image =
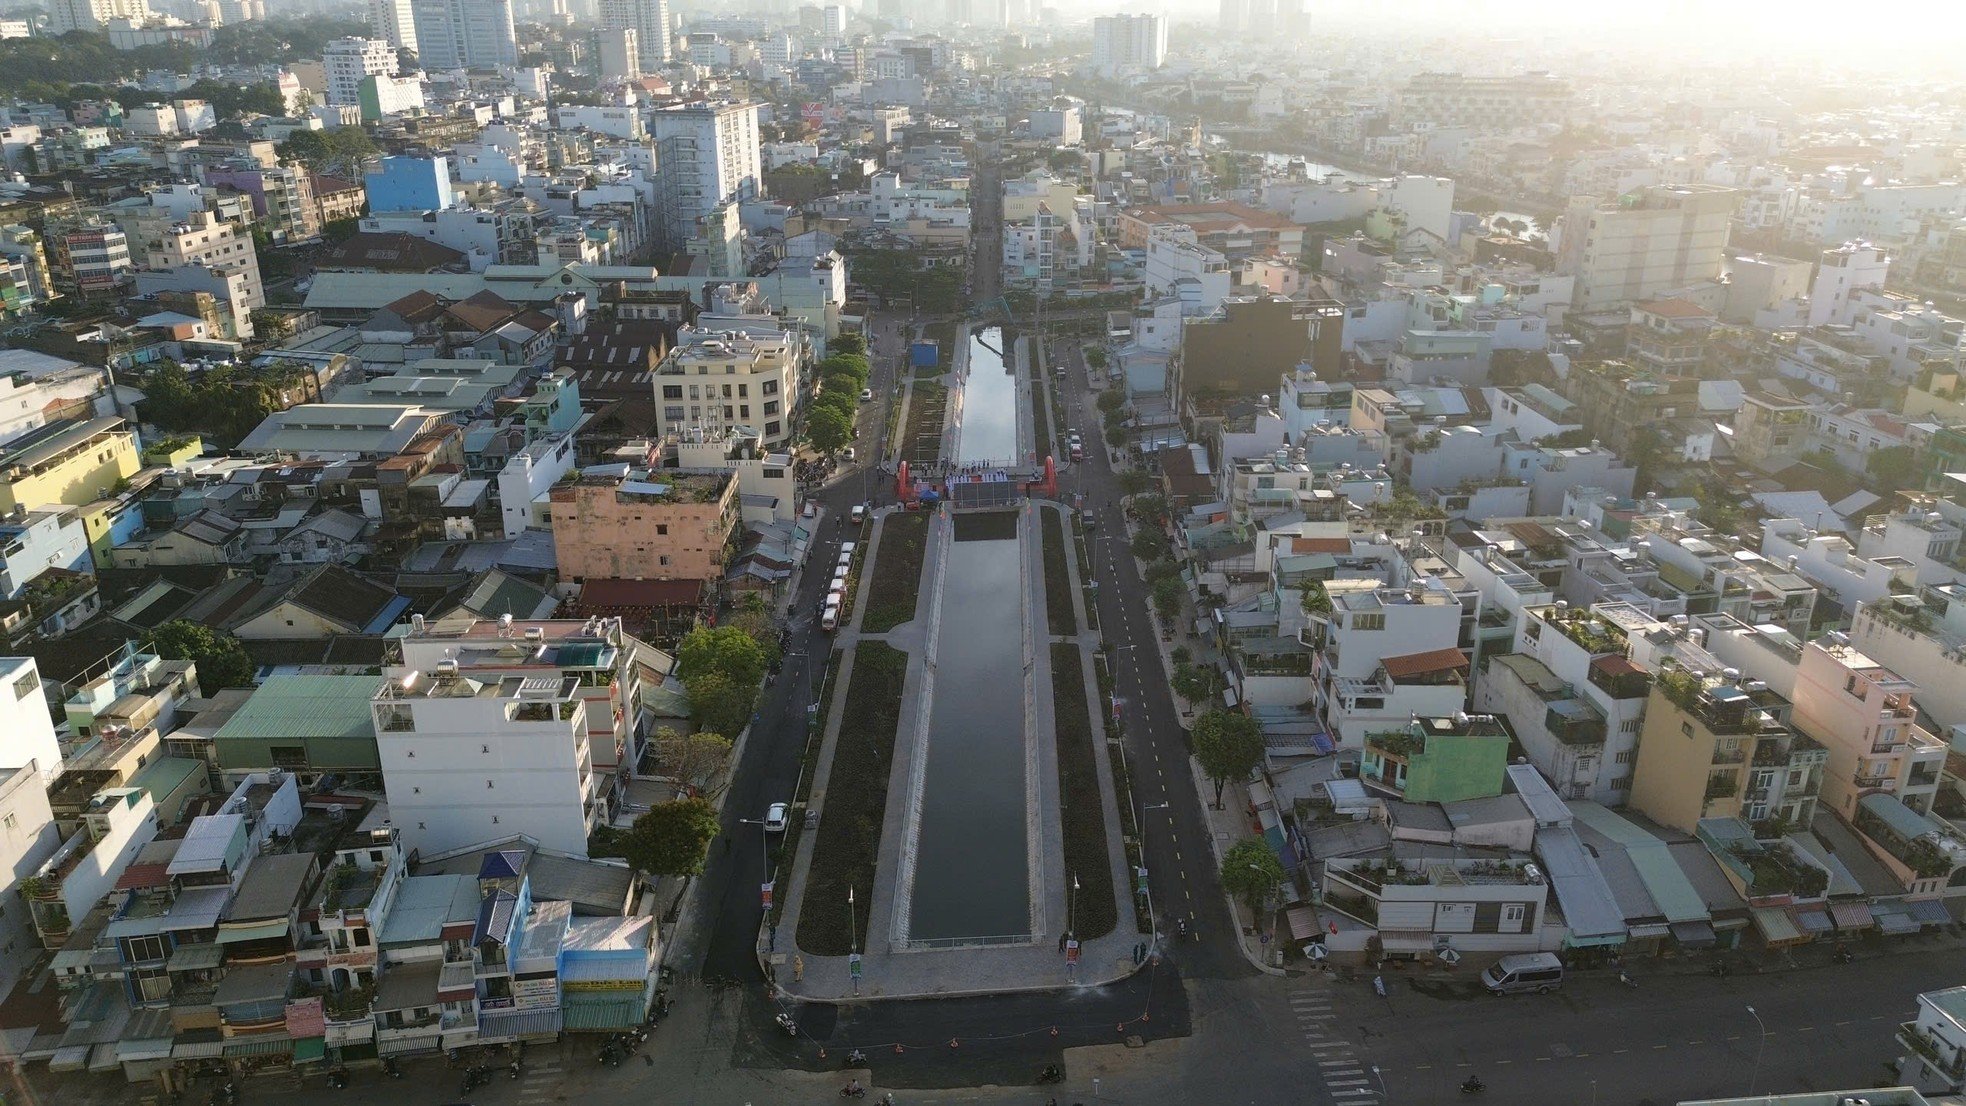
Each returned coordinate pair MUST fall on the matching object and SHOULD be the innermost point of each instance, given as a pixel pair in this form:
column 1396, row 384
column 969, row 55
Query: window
column 488, row 785
column 661, row 528
column 672, row 391
column 1626, row 757
column 1686, row 728
column 1368, row 622
column 10, row 822
column 26, row 685
column 664, row 559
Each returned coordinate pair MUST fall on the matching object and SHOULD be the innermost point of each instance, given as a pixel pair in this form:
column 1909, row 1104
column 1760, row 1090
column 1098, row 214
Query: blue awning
column 1931, row 912
column 1322, row 743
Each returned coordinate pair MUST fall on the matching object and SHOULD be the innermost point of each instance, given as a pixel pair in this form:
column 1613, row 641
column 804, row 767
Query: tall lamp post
column 1761, row 1043
column 1153, row 920
column 852, row 939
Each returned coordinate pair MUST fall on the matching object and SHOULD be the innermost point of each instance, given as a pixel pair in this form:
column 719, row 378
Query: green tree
column 694, row 759
column 849, row 343
column 1109, row 401
column 1229, row 746
column 1135, row 482
column 1168, row 591
column 1896, row 467
column 1116, row 436
column 222, row 661
column 1150, row 508
column 847, row 364
column 1149, row 545
column 1096, row 358
column 827, row 429
column 672, row 838
column 1251, row 872
column 841, row 400
column 718, row 703
column 1193, row 684
column 726, row 651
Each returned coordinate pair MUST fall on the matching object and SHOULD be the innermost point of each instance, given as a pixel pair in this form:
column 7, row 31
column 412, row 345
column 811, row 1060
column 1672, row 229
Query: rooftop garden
column 1775, row 871
column 1397, row 743
column 1593, row 634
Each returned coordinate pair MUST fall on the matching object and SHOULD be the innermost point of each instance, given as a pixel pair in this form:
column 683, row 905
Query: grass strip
column 1058, row 610
column 1081, row 814
column 849, row 842
column 897, row 585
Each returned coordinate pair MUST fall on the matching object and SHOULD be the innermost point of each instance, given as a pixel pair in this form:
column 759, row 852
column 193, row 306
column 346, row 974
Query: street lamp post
column 1153, row 920
column 852, row 938
column 1754, row 1076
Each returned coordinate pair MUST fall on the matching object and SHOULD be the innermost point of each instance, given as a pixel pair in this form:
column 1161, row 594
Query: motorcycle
column 337, row 1079
column 853, row 1090
column 1051, row 1074
column 786, row 1023
column 1471, row 1085
column 1720, row 968
column 516, row 1069
column 1627, row 980
column 394, row 1069
column 1842, row 955
column 856, row 1058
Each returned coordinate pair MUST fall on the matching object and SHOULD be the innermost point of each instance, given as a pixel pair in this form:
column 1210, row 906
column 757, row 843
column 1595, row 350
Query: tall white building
column 28, row 837
column 473, row 758
column 461, row 34
column 348, row 60
column 393, row 22
column 93, row 15
column 620, row 53
column 1128, row 43
column 649, row 19
column 1661, row 238
column 707, row 155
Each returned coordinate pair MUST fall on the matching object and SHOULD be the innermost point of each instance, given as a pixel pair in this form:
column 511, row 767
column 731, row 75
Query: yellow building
column 73, row 463
column 1721, row 748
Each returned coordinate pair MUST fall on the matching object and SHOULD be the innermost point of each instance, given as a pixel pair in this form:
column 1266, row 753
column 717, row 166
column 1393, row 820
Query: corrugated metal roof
column 301, row 707
column 1664, row 880
column 1588, row 905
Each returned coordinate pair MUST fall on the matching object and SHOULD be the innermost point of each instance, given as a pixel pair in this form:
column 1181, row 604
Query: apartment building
column 649, row 19
column 1128, row 43
column 530, row 774
column 1864, row 715
column 459, row 34
column 347, row 61
column 718, row 382
column 28, row 837
column 88, row 258
column 1422, row 905
column 117, row 823
column 73, row 463
column 1715, row 745
column 612, row 669
column 1934, row 1060
column 1922, row 638
column 1438, row 760
column 707, row 156
column 616, row 523
column 1482, row 103
column 1573, row 697
column 202, row 239
column 1659, row 238
column 1367, row 625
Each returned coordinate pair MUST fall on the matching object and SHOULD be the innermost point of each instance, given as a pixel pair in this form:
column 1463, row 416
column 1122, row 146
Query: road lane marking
column 1655, row 1048
column 1498, row 1061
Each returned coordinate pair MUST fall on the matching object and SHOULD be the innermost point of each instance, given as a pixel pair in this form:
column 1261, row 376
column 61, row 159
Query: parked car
column 776, row 817
column 859, row 513
column 866, row 394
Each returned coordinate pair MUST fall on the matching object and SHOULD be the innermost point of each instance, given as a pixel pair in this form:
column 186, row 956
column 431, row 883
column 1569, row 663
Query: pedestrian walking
column 798, row 969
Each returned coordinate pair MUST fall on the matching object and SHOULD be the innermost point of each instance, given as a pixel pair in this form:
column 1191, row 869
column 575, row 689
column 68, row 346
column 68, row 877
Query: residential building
column 718, row 381
column 1482, row 103
column 347, row 61
column 1720, row 747
column 1574, row 699
column 649, row 19
column 1770, row 430
column 203, row 240
column 1243, row 348
column 32, row 542
column 1864, row 715
column 89, row 258
column 1934, row 1060
column 1128, row 43
column 615, row 523
column 28, row 837
column 394, row 22
column 313, row 726
column 93, row 15
column 1234, row 230
column 707, row 155
column 136, row 691
column 618, row 676
column 531, row 773
column 618, row 53
column 1660, row 238
column 1669, row 337
column 116, row 824
column 1423, row 904
column 1439, row 759
column 75, row 463
column 1367, row 624
column 410, row 184
column 462, row 34
column 1841, row 273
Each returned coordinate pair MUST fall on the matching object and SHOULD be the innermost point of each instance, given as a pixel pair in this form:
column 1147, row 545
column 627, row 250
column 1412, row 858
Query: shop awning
column 1648, row 932
column 1851, row 915
column 197, row 1050
column 1406, row 941
column 270, row 1045
column 398, row 1046
column 1814, row 921
column 1930, row 912
column 1894, row 919
column 195, row 958
column 70, row 1058
column 592, row 1013
column 260, row 932
column 309, row 1049
column 1775, row 926
column 533, row 1023
column 1303, row 922
column 1693, row 935
column 155, row 1048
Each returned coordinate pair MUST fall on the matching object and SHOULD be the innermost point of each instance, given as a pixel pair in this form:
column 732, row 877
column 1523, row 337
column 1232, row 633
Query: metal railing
column 967, row 942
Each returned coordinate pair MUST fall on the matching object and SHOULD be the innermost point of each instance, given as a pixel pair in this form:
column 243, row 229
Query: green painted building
column 1439, row 760
column 306, row 724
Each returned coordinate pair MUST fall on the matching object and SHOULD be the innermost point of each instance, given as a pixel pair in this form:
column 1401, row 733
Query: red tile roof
column 1420, row 664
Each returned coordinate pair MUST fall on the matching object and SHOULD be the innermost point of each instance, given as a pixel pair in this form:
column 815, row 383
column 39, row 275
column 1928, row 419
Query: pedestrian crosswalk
column 1346, row 1078
column 540, row 1083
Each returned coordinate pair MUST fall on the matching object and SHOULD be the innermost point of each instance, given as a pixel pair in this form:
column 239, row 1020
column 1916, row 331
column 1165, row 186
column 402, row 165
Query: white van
column 1540, row 972
column 846, row 549
column 830, row 621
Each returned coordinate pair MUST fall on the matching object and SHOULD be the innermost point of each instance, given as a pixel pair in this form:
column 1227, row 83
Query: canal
column 988, row 430
column 972, row 875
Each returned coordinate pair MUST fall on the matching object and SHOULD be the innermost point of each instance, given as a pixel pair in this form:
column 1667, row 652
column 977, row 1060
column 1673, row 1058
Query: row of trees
column 51, row 69
column 842, row 375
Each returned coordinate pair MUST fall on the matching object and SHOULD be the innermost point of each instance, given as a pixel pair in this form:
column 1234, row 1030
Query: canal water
column 972, row 877
column 988, row 430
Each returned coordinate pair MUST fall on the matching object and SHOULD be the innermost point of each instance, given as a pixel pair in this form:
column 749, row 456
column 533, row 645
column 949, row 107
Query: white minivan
column 1540, row 972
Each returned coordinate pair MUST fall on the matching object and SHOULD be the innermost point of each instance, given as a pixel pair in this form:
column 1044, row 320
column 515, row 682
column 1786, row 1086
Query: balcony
column 1922, row 777
column 1939, row 1056
column 1881, row 783
column 1722, row 787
